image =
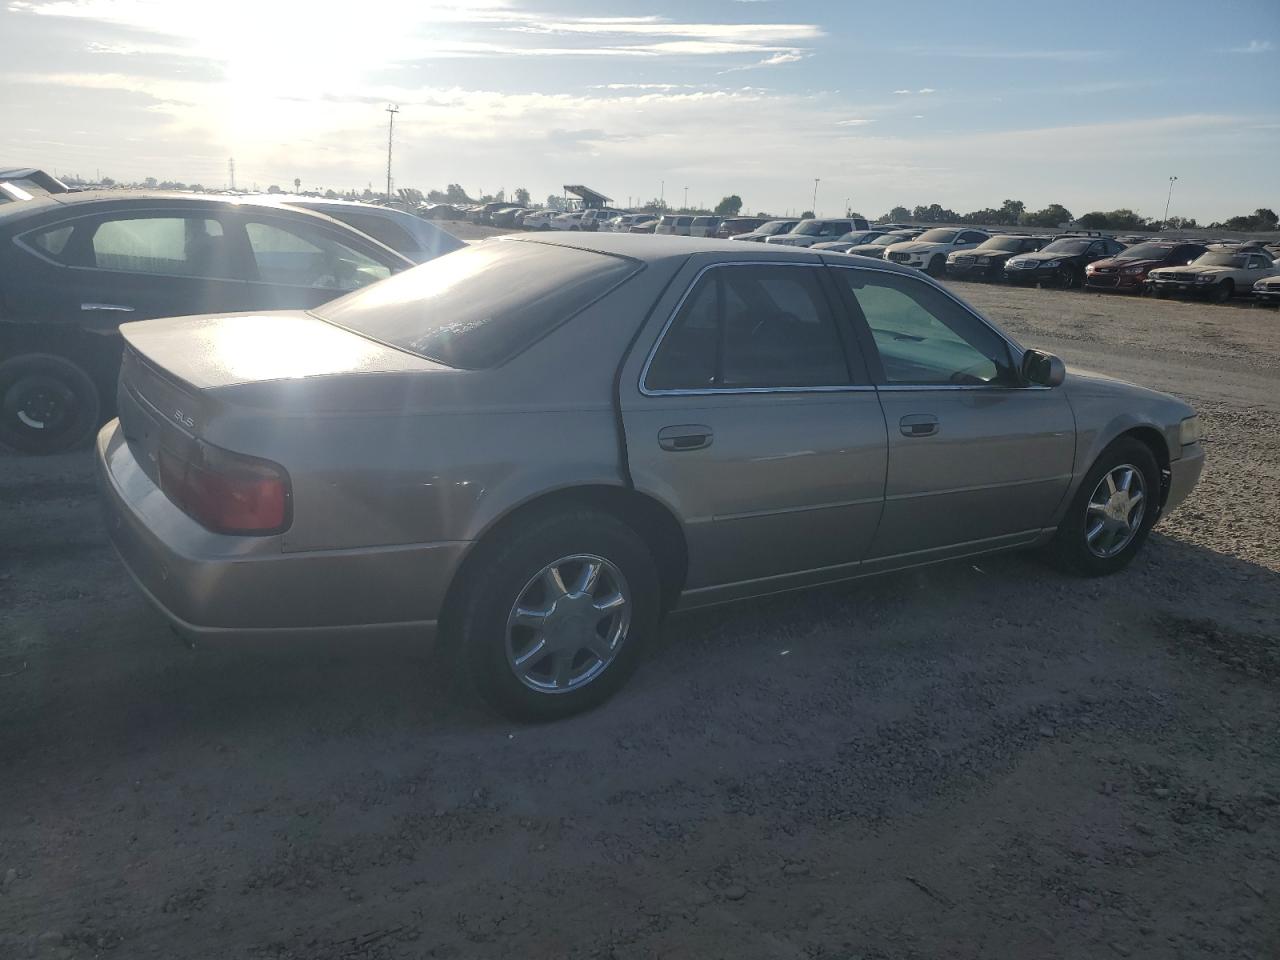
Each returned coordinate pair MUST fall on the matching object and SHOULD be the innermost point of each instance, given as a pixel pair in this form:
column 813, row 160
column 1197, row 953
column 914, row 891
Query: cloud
column 855, row 122
column 1253, row 46
column 901, row 92
column 926, row 90
column 786, row 56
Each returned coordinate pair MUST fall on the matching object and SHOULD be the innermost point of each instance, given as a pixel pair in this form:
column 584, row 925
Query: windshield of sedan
column 1067, row 246
column 859, row 237
column 937, row 236
column 1216, row 258
column 774, row 227
column 1003, row 244
column 1145, row 251
column 889, row 239
column 480, row 306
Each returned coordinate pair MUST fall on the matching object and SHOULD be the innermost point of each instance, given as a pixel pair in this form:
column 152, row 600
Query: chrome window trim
column 716, row 391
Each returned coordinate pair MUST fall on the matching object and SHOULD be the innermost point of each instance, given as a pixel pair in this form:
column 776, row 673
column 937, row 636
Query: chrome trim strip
column 1016, row 347
column 803, row 508
column 979, row 487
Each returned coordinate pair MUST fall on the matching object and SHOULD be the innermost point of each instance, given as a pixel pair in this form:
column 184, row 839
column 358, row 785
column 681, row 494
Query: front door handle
column 918, row 425
column 686, row 436
column 106, row 307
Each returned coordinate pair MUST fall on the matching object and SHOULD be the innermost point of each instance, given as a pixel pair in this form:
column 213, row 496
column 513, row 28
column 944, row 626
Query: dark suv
column 1061, row 262
column 1128, row 269
column 74, row 266
column 986, row 261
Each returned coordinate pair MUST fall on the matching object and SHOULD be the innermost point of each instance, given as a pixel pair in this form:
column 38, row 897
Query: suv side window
column 758, row 326
column 923, row 336
column 301, row 257
column 167, row 245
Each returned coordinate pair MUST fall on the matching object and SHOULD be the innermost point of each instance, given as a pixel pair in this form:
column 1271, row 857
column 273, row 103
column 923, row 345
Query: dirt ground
column 978, row 760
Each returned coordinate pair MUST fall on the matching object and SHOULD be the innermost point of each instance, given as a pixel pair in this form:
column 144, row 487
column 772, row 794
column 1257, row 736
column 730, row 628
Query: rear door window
column 752, row 327
column 167, row 245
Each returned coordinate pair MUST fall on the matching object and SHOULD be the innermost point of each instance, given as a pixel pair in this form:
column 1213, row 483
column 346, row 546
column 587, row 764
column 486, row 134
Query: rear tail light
column 228, row 492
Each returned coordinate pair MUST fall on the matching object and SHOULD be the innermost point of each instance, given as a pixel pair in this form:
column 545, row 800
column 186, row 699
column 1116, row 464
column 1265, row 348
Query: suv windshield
column 1217, row 258
column 774, row 227
column 480, row 306
column 1145, row 251
column 1067, row 246
column 937, row 236
column 810, row 228
column 1003, row 244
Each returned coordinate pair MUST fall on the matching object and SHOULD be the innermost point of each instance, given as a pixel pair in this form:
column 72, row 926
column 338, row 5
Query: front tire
column 554, row 616
column 1113, row 511
column 48, row 404
column 1067, row 278
column 937, row 267
column 1224, row 291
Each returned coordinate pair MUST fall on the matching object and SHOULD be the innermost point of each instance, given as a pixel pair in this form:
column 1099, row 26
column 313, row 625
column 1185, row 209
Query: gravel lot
column 978, row 760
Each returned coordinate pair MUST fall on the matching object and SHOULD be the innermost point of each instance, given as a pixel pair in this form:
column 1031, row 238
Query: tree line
column 1015, row 213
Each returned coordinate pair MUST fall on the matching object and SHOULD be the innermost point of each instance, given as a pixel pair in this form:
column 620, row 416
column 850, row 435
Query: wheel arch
column 1156, row 442
column 650, row 519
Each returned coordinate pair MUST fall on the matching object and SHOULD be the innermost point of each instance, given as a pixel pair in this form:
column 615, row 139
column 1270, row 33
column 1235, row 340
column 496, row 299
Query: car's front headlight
column 1206, row 278
column 1189, row 431
column 981, row 261
column 1050, row 264
column 1131, row 270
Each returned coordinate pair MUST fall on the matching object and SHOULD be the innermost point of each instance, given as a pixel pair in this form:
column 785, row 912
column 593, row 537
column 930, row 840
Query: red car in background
column 1128, row 269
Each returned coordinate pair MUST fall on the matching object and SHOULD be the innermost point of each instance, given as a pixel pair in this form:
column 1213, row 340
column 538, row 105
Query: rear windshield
column 482, row 305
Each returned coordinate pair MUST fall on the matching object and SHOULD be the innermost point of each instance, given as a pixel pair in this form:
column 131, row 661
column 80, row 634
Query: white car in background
column 567, row 221
column 539, row 219
column 817, row 230
column 704, row 226
column 624, row 222
column 928, row 252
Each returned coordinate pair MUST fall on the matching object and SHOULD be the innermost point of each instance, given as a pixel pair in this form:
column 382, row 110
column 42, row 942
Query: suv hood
column 915, row 246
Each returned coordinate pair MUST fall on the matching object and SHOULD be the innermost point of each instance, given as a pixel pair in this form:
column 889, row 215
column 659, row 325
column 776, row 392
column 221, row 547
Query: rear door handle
column 106, row 307
column 918, row 425
column 685, row 436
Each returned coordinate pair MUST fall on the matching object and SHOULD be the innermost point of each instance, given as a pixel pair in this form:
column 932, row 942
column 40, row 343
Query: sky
column 1094, row 105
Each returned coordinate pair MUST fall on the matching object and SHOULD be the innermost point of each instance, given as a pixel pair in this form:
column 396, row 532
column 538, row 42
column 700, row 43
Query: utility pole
column 848, row 210
column 1164, row 224
column 392, row 110
column 231, row 171
column 662, row 192
column 814, row 208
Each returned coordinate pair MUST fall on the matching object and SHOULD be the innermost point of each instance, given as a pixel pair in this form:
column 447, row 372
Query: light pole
column 686, row 198
column 1167, row 200
column 814, row 208
column 392, row 110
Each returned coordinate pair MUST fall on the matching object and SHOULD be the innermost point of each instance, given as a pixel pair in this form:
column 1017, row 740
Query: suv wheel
column 47, row 404
column 1112, row 512
column 555, row 615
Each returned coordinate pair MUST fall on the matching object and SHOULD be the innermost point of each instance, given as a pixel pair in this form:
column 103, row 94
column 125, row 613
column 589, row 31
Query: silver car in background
column 408, row 235
column 538, row 446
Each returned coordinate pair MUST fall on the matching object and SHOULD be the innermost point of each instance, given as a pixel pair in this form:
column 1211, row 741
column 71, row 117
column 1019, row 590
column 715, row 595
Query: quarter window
column 748, row 327
column 299, row 258
column 52, row 242
column 174, row 246
column 925, row 337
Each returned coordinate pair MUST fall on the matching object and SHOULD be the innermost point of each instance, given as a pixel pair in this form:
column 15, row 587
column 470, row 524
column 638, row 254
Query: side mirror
column 1043, row 369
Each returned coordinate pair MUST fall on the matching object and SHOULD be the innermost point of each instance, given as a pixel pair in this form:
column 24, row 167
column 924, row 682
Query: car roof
column 651, row 248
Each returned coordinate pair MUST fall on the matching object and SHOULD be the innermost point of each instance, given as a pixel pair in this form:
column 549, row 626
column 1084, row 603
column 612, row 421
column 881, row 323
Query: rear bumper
column 1184, row 473
column 210, row 585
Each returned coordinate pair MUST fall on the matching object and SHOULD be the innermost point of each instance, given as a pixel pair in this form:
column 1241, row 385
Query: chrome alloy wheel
column 1114, row 513
column 568, row 623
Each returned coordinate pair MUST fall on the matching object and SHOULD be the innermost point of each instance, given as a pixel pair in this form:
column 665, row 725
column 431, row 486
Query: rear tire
column 511, row 574
column 1079, row 546
column 48, row 404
